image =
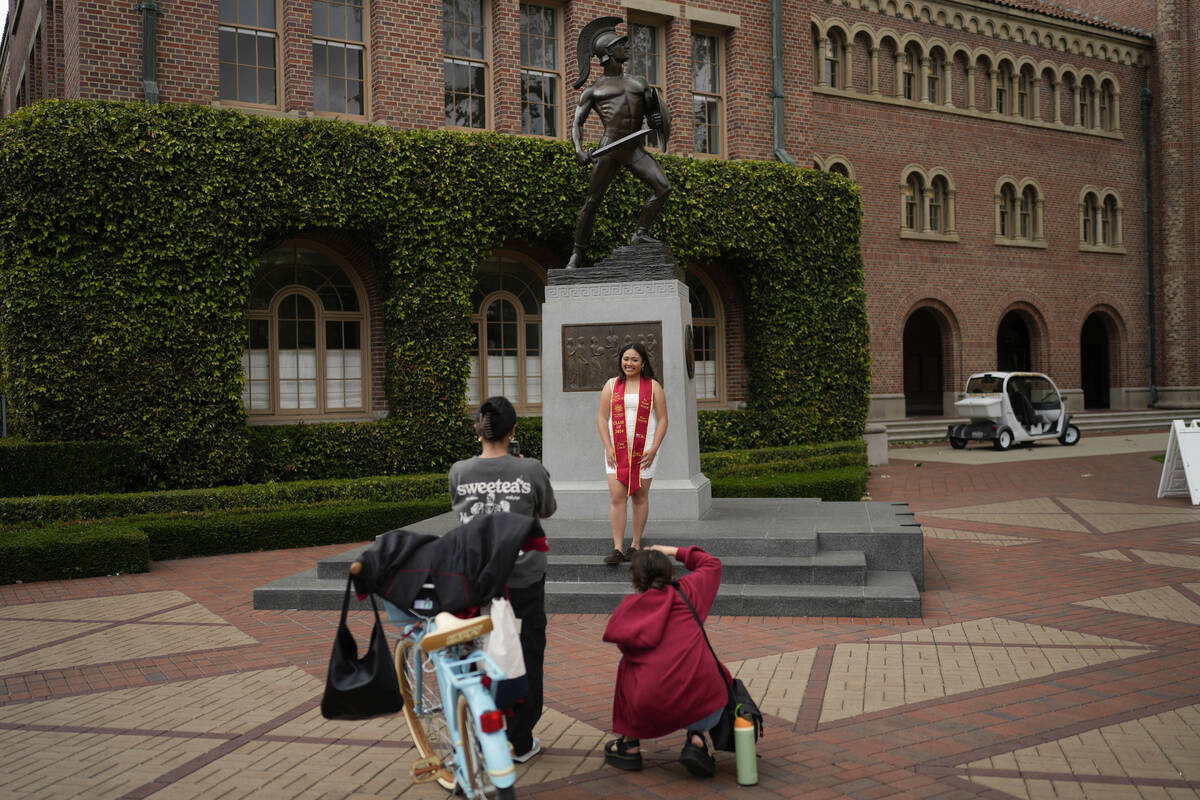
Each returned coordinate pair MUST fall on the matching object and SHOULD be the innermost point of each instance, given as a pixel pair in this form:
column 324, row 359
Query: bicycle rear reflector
column 491, row 721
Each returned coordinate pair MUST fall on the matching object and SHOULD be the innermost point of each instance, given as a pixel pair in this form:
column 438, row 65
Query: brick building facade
column 999, row 146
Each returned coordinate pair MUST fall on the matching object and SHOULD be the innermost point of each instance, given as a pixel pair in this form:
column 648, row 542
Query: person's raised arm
column 610, row 454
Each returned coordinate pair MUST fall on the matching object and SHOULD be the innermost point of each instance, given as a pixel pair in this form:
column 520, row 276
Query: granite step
column 843, row 568
column 884, row 593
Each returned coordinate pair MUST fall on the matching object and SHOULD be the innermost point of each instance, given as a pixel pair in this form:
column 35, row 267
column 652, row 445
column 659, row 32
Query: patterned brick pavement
column 1059, row 656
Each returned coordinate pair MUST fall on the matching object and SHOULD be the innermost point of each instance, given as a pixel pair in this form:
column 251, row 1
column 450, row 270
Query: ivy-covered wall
column 129, row 235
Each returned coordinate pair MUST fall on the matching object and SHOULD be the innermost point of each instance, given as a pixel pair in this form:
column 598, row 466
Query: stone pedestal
column 588, row 316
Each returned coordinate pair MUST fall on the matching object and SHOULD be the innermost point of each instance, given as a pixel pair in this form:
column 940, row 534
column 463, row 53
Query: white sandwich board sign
column 1181, row 467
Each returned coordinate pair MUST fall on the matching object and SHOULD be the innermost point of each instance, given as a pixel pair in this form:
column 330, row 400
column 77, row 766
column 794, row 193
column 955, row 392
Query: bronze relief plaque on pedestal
column 589, row 352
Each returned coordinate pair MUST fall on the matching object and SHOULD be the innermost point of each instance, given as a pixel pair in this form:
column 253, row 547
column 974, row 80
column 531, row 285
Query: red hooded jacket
column 667, row 678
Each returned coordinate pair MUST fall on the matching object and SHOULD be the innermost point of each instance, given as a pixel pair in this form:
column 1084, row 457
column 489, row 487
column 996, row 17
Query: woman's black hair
column 650, row 569
column 640, row 349
column 497, row 419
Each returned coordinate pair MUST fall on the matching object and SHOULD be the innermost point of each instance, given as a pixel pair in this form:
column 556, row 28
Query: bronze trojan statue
column 621, row 102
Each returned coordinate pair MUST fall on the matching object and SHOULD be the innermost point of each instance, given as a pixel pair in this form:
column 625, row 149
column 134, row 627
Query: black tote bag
column 739, row 703
column 360, row 688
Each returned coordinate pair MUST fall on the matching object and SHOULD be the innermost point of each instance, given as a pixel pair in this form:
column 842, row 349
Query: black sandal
column 616, row 754
column 696, row 757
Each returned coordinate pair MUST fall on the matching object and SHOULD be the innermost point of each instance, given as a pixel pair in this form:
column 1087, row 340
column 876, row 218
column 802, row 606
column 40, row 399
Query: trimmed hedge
column 801, row 456
column 843, row 483
column 75, row 551
column 182, row 537
column 42, row 510
column 78, row 551
column 130, row 235
column 32, row 468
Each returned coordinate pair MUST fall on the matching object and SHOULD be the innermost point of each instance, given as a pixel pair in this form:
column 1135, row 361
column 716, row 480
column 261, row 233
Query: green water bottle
column 743, row 745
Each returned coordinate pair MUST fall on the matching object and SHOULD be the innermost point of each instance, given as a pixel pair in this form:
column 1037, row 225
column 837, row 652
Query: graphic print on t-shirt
column 488, row 497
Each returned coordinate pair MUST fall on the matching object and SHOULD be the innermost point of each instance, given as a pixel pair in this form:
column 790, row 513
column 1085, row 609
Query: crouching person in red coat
column 666, row 680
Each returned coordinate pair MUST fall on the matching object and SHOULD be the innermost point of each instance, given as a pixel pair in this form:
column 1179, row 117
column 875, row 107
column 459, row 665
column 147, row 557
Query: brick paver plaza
column 1058, row 656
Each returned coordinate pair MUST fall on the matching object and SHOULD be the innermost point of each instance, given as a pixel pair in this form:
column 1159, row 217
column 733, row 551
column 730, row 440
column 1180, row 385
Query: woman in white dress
column 632, row 423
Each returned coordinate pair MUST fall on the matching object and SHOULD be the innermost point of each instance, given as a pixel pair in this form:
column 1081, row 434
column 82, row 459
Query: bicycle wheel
column 429, row 731
column 473, row 764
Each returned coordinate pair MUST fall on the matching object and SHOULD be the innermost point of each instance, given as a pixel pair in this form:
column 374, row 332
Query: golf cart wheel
column 957, row 442
column 1004, row 440
column 1070, row 436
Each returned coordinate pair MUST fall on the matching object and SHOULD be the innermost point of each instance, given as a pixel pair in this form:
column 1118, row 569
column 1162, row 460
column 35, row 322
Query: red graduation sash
column 629, row 460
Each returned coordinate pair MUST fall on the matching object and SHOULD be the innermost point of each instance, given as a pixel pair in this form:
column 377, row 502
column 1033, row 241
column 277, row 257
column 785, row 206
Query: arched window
column 1003, row 81
column 835, row 50
column 1086, row 88
column 910, row 73
column 307, row 324
column 934, row 81
column 840, row 168
column 1105, row 108
column 506, row 357
column 1027, row 228
column 707, row 338
column 914, row 190
column 1008, row 211
column 1024, row 106
column 1091, row 219
column 937, row 205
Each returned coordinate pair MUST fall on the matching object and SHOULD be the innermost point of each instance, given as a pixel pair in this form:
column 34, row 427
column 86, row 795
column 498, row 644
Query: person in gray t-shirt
column 495, row 480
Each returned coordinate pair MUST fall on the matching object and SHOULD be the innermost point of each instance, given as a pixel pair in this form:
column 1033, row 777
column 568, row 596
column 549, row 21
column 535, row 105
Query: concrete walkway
column 1059, row 656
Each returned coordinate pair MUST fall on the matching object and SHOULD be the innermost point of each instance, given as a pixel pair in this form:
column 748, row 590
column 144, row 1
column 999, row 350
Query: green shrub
column 131, row 234
column 341, row 450
column 32, row 468
column 75, row 551
column 214, row 533
column 843, row 483
column 16, row 510
column 731, row 459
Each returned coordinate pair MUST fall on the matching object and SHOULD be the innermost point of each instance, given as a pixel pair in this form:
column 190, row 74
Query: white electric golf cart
column 1011, row 407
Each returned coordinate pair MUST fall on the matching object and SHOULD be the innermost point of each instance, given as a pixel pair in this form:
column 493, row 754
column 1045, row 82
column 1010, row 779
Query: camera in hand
column 514, row 448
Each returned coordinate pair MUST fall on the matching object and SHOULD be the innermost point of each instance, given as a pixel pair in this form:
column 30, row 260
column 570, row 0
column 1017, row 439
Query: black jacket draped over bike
column 467, row 566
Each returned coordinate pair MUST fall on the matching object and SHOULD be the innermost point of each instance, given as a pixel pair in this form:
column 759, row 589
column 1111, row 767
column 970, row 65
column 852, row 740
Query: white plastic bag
column 503, row 644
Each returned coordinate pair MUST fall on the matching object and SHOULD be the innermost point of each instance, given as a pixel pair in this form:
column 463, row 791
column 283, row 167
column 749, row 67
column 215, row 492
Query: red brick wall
column 973, row 282
column 95, row 53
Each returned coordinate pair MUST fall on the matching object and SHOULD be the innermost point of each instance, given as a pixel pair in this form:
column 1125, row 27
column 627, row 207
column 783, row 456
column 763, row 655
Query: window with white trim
column 247, row 51
column 506, row 356
column 707, row 93
column 465, row 65
column 338, row 45
column 707, row 337
column 306, row 355
column 541, row 71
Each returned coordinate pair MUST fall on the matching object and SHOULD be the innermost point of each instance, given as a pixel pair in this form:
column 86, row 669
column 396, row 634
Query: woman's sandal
column 616, row 754
column 696, row 757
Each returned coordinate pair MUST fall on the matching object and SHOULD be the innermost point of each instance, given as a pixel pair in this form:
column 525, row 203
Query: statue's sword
column 624, row 140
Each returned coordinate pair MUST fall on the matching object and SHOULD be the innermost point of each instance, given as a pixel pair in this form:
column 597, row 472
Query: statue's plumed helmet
column 596, row 39
column 603, row 44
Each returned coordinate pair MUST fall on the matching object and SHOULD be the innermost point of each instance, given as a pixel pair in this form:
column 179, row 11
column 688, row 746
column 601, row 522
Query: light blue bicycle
column 448, row 683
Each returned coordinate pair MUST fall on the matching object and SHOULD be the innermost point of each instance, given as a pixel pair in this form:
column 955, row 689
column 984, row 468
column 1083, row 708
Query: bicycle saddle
column 452, row 630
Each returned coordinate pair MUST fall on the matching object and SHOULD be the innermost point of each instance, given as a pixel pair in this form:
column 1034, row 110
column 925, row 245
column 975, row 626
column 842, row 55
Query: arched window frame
column 1086, row 90
column 1003, row 95
column 1019, row 208
column 926, row 198
column 274, row 410
column 1024, row 106
column 935, row 78
column 908, row 80
column 529, row 369
column 709, row 329
column 1100, row 221
column 834, row 61
column 835, row 163
column 912, row 216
